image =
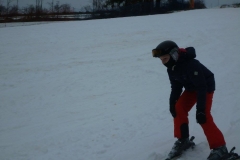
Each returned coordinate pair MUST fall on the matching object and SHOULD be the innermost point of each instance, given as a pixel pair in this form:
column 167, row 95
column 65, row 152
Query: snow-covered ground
column 16, row 24
column 90, row 90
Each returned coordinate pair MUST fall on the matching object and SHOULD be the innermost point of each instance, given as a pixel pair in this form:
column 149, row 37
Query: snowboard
column 231, row 155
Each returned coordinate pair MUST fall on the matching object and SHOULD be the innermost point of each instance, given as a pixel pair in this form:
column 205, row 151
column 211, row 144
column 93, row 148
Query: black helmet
column 164, row 48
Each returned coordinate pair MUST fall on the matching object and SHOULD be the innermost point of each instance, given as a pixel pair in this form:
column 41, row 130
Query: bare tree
column 38, row 7
column 13, row 10
column 97, row 5
column 87, row 8
column 65, row 8
column 8, row 5
column 17, row 7
column 29, row 11
column 51, row 6
column 57, row 8
column 2, row 9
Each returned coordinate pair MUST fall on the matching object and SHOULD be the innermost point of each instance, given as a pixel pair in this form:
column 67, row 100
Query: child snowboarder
column 186, row 72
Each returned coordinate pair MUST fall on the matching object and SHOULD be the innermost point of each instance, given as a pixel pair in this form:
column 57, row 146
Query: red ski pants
column 184, row 104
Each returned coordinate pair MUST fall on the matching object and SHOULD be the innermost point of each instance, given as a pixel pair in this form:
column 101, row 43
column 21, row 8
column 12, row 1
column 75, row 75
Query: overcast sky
column 78, row 4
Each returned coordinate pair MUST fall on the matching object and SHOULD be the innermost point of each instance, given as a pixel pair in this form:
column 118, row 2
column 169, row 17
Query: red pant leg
column 183, row 106
column 213, row 134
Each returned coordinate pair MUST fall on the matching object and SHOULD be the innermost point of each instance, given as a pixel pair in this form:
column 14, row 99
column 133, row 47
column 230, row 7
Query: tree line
column 98, row 9
column 11, row 9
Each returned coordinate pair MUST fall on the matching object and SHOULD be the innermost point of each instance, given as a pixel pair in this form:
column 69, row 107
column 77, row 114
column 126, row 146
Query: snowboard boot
column 219, row 153
column 179, row 146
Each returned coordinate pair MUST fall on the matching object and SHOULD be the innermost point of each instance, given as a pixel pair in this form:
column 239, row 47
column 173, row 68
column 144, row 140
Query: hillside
column 90, row 90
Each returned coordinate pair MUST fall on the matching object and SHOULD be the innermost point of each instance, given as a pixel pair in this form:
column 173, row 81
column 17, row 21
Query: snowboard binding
column 179, row 147
column 232, row 155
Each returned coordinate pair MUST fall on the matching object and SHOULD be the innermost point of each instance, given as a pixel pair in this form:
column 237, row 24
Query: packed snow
column 91, row 90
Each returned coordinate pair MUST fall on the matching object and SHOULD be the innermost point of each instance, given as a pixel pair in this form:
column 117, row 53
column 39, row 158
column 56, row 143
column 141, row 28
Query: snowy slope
column 91, row 90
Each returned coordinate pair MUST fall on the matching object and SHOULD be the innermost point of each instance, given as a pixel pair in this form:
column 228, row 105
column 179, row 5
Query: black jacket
column 192, row 75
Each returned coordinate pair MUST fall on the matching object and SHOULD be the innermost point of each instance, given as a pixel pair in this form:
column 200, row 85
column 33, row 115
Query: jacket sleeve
column 197, row 77
column 176, row 90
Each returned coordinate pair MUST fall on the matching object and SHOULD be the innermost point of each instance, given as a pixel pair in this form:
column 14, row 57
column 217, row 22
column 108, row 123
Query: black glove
column 201, row 117
column 173, row 111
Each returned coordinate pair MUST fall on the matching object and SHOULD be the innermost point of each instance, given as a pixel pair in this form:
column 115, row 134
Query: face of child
column 165, row 58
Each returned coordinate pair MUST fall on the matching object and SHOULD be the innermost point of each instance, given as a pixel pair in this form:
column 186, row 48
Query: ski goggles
column 157, row 53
